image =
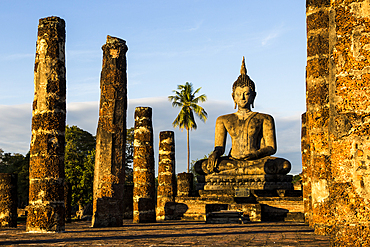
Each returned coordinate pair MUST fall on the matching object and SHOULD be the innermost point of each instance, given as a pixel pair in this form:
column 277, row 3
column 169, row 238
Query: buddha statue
column 253, row 142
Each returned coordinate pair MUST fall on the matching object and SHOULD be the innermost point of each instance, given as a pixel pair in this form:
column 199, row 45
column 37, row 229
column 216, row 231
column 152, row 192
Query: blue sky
column 170, row 42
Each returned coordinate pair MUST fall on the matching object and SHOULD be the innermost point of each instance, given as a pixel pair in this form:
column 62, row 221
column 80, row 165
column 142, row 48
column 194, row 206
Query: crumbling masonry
column 144, row 185
column 109, row 174
column 8, row 200
column 185, row 184
column 166, row 176
column 46, row 192
column 336, row 126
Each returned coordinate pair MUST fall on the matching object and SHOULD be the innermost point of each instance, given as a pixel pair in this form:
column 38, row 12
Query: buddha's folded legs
column 226, row 165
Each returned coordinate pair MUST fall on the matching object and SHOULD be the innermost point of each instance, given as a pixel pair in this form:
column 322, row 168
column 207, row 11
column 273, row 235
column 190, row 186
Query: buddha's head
column 244, row 85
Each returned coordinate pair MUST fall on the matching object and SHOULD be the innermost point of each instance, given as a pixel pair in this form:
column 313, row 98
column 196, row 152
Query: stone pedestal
column 8, row 200
column 185, row 184
column 166, row 176
column 144, row 184
column 46, row 192
column 109, row 174
column 254, row 182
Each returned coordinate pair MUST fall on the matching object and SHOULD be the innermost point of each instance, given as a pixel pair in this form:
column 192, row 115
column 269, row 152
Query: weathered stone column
column 46, row 192
column 349, row 191
column 317, row 114
column 109, row 174
column 184, row 184
column 68, row 201
column 338, row 119
column 306, row 172
column 166, row 176
column 8, row 200
column 144, row 184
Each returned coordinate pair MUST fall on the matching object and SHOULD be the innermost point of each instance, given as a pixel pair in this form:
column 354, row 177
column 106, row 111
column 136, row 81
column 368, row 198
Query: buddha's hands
column 249, row 156
column 212, row 162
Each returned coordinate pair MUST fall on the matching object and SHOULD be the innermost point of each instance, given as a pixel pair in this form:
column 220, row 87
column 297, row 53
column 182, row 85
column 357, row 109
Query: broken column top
column 52, row 22
column 52, row 19
column 115, row 40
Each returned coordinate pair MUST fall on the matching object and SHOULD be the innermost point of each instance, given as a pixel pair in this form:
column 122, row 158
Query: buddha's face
column 244, row 97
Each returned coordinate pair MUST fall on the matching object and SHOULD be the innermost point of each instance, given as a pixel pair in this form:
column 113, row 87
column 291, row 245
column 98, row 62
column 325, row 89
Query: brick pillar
column 166, row 176
column 68, row 201
column 350, row 130
column 339, row 153
column 109, row 174
column 317, row 115
column 144, row 185
column 306, row 172
column 184, row 184
column 46, row 191
column 8, row 200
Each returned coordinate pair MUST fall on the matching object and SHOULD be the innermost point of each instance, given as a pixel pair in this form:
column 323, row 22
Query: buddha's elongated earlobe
column 252, row 105
column 235, row 106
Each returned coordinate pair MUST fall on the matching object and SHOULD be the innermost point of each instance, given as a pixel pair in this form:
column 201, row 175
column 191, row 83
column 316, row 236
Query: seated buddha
column 252, row 134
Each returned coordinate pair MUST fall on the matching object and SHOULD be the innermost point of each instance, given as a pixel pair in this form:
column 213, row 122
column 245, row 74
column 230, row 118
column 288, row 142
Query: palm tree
column 186, row 99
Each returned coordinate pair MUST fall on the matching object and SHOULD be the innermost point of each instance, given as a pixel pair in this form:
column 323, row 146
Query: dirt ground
column 171, row 233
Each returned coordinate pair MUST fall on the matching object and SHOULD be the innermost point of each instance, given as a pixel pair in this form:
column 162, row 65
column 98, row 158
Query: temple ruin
column 46, row 212
column 144, row 184
column 109, row 174
column 335, row 143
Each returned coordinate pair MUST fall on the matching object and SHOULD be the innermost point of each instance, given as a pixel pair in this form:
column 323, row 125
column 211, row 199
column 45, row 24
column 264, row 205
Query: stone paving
column 172, row 233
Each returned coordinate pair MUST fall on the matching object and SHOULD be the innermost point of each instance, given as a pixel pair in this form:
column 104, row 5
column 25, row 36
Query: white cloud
column 273, row 34
column 18, row 56
column 196, row 27
column 15, row 128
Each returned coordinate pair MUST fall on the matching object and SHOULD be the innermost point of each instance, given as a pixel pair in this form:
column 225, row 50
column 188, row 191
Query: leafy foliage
column 296, row 178
column 186, row 98
column 79, row 160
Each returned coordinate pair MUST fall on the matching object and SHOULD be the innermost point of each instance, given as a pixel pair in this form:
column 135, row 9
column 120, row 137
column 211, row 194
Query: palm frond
column 185, row 97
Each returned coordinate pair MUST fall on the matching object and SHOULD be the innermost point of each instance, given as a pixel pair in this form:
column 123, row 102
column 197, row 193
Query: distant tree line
column 79, row 163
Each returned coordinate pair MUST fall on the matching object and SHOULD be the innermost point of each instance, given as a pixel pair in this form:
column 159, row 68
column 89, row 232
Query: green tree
column 79, row 163
column 186, row 98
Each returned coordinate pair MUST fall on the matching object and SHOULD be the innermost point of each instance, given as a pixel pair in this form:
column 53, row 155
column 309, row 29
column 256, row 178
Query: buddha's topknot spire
column 243, row 70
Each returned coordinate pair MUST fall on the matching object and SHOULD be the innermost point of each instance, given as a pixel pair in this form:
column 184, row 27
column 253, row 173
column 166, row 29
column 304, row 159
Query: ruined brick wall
column 185, row 184
column 46, row 192
column 166, row 175
column 8, row 200
column 109, row 173
column 340, row 186
column 144, row 184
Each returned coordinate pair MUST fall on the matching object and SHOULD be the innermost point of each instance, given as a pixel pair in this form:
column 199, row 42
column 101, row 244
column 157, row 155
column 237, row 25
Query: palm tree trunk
column 187, row 130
